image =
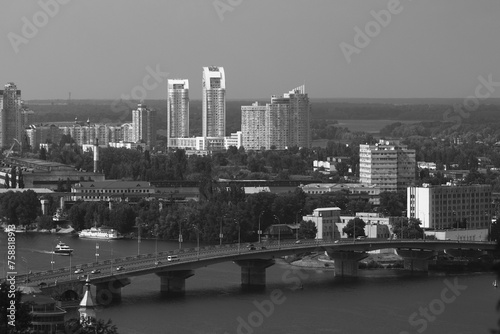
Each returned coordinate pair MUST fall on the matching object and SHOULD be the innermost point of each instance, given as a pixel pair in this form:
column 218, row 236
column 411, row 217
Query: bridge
column 111, row 276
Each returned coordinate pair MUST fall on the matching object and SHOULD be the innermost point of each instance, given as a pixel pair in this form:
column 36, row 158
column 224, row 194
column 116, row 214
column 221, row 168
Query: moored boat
column 100, row 233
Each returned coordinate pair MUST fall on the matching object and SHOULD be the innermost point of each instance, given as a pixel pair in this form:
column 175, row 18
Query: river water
column 295, row 300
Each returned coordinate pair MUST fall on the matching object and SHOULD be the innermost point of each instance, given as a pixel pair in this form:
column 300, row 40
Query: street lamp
column 220, row 232
column 96, row 251
column 156, row 243
column 296, row 223
column 180, row 234
column 279, row 231
column 197, row 240
column 239, row 234
column 259, row 232
column 52, row 261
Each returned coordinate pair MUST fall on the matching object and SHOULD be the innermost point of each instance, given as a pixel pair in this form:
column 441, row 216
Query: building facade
column 450, row 206
column 213, row 102
column 326, row 220
column 283, row 123
column 178, row 108
column 253, row 125
column 388, row 164
column 144, row 125
column 11, row 119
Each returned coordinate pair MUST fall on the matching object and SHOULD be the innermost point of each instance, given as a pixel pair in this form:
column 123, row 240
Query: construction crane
column 9, row 151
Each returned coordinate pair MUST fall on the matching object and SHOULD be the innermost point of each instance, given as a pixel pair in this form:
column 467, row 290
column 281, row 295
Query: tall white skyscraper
column 214, row 102
column 11, row 120
column 178, row 108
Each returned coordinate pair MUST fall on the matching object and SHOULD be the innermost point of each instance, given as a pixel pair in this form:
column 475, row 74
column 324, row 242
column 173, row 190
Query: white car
column 79, row 271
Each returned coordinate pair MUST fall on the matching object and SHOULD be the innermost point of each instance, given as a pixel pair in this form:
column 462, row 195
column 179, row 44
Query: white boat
column 495, row 283
column 100, row 233
column 62, row 248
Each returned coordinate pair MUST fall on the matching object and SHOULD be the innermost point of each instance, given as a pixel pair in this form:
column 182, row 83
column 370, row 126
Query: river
column 296, row 300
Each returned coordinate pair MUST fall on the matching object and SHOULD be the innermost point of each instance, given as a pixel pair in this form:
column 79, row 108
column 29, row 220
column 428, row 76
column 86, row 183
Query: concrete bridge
column 113, row 275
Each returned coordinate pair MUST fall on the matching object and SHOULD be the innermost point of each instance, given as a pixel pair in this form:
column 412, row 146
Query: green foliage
column 408, row 228
column 100, row 326
column 355, row 228
column 19, row 208
column 392, row 203
column 307, row 230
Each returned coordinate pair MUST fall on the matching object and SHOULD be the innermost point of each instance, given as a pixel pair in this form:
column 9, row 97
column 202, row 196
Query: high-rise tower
column 214, row 102
column 144, row 125
column 178, row 108
column 11, row 121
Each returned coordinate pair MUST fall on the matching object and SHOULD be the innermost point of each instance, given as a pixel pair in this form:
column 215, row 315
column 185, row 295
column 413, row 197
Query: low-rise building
column 325, row 220
column 357, row 190
column 110, row 190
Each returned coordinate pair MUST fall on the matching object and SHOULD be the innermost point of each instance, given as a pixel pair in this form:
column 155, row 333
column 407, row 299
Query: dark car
column 120, row 268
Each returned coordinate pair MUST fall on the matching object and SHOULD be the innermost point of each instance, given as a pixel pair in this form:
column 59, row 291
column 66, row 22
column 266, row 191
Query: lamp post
column 96, row 251
column 296, row 223
column 220, row 232
column 239, row 235
column 279, row 231
column 52, row 261
column 180, row 234
column 259, row 232
column 156, row 243
column 197, row 241
column 111, row 259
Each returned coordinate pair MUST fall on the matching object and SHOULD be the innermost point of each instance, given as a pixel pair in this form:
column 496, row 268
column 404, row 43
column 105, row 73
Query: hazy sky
column 103, row 49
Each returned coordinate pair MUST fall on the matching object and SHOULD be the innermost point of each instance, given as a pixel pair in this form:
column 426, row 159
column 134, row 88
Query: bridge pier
column 173, row 283
column 346, row 262
column 416, row 260
column 111, row 291
column 253, row 272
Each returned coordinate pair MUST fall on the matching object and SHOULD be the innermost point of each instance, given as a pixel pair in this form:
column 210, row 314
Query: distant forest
column 323, row 110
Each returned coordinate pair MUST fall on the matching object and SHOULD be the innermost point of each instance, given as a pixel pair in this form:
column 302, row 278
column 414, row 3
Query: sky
column 338, row 48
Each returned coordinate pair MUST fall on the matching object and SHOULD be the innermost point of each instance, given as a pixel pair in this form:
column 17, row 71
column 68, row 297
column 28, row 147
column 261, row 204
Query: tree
column 355, row 228
column 22, row 311
column 408, row 228
column 100, row 326
column 308, row 230
column 392, row 203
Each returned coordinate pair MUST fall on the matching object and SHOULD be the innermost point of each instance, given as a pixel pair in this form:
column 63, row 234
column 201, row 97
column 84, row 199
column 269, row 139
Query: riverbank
column 392, row 261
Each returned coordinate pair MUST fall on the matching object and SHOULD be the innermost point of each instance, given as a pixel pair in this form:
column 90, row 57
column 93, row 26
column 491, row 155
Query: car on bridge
column 95, row 271
column 79, row 271
column 120, row 268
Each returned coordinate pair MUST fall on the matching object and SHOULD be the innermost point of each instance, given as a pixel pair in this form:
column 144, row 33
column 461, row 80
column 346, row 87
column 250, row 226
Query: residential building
column 110, row 190
column 253, row 126
column 370, row 193
column 326, row 220
column 377, row 225
column 178, row 108
column 450, row 206
column 283, row 123
column 213, row 102
column 144, row 125
column 388, row 164
column 11, row 120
